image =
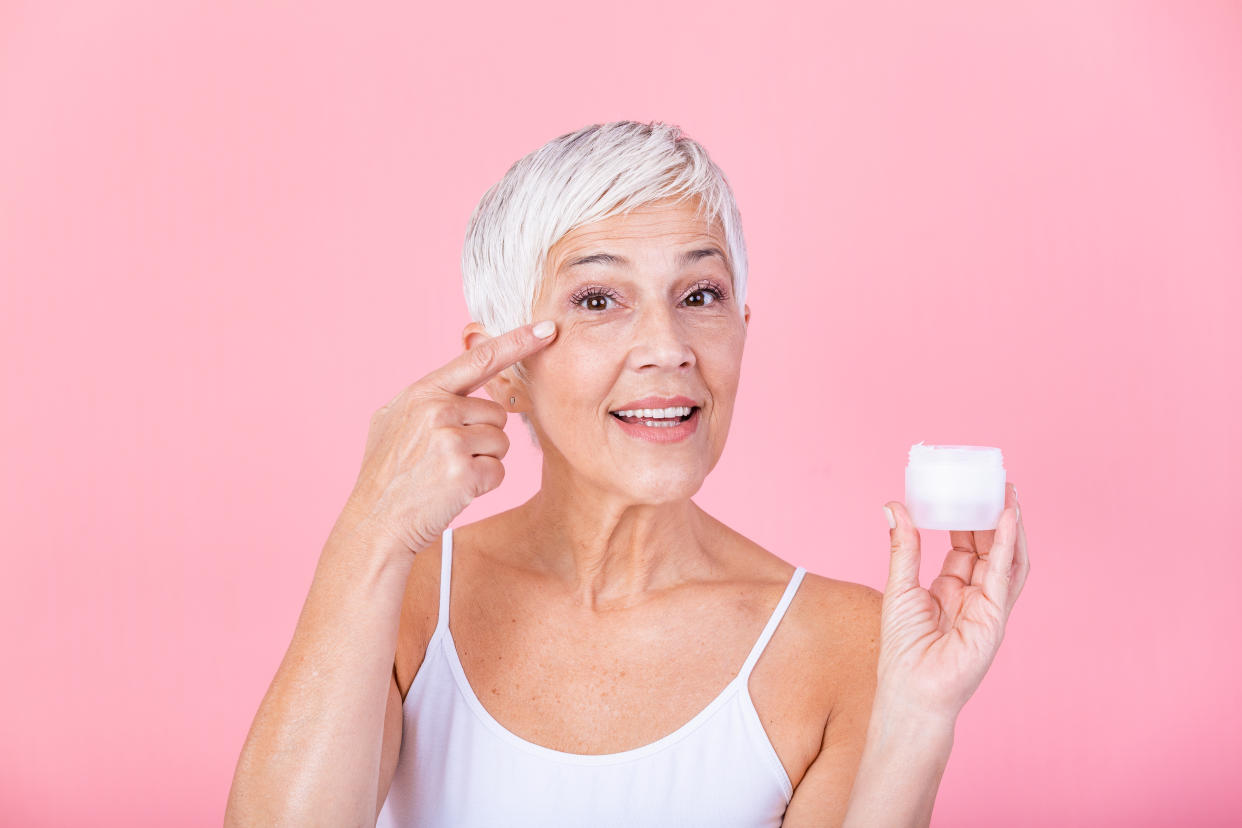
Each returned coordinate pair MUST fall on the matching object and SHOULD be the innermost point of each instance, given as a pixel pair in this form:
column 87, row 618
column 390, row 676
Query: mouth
column 669, row 417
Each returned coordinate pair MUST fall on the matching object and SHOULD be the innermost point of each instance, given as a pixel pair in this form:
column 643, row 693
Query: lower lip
column 661, row 434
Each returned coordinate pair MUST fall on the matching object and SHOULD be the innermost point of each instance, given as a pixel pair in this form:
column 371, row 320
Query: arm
column 926, row 651
column 313, row 753
column 879, row 764
column 873, row 771
column 323, row 746
column 902, row 764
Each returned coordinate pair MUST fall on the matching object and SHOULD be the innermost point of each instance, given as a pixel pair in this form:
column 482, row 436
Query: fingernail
column 544, row 329
column 892, row 521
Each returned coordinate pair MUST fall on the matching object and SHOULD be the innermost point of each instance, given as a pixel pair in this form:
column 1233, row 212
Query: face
column 646, row 319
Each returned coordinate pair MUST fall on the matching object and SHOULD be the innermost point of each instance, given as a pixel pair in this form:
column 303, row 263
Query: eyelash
column 703, row 286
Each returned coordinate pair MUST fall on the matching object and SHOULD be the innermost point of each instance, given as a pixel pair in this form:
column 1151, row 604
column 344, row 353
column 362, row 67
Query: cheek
column 721, row 362
column 579, row 368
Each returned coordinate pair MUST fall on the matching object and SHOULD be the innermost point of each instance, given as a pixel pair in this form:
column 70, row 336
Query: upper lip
column 657, row 402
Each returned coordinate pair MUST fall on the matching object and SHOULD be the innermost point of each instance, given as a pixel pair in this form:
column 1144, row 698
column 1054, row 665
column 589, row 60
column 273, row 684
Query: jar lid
column 983, row 456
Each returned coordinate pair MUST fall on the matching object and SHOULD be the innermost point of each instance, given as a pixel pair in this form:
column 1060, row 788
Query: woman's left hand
column 937, row 643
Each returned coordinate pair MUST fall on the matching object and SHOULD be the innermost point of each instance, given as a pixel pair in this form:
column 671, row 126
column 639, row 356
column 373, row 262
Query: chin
column 652, row 490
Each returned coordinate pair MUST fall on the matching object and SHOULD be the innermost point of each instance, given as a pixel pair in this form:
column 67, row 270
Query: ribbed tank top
column 460, row 767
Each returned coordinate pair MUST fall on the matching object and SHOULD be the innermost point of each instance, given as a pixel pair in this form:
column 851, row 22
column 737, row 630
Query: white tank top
column 460, row 767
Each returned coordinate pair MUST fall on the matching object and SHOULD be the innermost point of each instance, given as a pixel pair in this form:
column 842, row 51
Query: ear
column 503, row 385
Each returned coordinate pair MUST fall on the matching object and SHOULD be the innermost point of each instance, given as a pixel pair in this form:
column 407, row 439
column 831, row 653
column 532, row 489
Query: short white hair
column 596, row 172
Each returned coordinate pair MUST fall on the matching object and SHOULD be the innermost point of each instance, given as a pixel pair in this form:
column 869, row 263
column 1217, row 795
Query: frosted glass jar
column 955, row 487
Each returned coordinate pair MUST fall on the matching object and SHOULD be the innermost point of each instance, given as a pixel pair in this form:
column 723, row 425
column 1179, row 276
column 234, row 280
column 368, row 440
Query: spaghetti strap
column 446, row 577
column 773, row 622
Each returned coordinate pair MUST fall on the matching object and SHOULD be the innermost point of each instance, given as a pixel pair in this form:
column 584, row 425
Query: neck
column 609, row 551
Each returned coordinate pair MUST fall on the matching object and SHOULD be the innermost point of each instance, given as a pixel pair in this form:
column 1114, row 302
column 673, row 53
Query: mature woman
column 607, row 653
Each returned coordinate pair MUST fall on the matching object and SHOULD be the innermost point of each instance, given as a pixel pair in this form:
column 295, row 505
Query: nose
column 660, row 341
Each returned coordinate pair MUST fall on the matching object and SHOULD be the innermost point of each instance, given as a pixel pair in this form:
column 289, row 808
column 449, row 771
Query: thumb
column 903, row 565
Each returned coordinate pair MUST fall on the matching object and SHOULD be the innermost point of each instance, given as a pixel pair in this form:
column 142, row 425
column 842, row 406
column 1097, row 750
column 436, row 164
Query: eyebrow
column 687, row 258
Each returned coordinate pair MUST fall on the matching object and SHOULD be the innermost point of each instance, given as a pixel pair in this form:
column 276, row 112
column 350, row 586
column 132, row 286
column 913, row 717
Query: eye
column 594, row 298
column 704, row 294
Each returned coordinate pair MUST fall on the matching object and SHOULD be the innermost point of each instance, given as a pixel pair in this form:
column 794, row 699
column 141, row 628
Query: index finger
column 470, row 370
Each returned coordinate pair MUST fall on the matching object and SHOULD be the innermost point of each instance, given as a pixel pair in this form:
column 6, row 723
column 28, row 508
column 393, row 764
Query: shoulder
column 833, row 621
column 842, row 623
column 835, row 635
column 831, row 627
column 822, row 666
column 846, row 608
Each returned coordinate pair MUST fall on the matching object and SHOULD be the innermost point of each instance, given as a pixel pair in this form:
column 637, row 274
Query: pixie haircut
column 594, row 173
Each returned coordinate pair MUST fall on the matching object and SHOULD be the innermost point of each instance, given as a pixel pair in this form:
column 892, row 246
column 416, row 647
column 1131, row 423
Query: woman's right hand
column 433, row 448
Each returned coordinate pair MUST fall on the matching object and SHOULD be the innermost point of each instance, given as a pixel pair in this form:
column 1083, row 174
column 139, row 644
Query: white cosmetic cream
column 955, row 487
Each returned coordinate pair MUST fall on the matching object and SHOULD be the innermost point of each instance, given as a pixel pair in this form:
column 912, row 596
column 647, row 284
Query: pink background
column 229, row 233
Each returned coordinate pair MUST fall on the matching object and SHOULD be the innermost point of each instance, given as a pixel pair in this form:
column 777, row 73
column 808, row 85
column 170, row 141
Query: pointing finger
column 476, row 366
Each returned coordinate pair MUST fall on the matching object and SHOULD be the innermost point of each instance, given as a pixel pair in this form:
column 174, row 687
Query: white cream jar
column 955, row 487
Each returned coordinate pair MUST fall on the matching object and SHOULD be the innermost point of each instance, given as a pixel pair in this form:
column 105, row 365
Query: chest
column 556, row 679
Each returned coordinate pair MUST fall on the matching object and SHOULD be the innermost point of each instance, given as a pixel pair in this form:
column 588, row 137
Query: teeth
column 656, row 413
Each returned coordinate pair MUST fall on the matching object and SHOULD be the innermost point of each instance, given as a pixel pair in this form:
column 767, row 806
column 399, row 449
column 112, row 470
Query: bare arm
column 823, row 794
column 880, row 763
column 312, row 756
column 906, row 753
column 934, row 647
column 323, row 746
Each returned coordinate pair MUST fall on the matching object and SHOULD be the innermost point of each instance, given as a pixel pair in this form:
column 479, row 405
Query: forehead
column 661, row 225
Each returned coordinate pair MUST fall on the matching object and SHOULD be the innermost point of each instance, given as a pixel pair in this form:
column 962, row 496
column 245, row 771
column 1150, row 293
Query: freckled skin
column 646, row 339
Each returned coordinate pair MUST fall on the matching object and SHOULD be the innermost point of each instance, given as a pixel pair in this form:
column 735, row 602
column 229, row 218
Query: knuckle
column 456, row 468
column 442, row 411
column 482, row 357
column 453, row 440
column 490, row 473
column 423, row 400
column 444, row 442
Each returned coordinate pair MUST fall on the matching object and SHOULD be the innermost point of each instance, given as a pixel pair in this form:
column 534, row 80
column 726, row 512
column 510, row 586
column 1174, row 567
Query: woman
column 606, row 653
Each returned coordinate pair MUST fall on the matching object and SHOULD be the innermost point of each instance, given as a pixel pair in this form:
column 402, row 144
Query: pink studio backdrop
column 229, row 232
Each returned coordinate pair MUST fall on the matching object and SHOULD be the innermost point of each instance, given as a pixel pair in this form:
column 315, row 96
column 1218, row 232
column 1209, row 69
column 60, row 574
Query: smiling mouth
column 657, row 417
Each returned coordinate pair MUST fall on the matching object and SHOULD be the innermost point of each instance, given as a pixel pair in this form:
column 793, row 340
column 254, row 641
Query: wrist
column 900, row 723
column 360, row 534
column 899, row 706
column 908, row 727
column 904, row 758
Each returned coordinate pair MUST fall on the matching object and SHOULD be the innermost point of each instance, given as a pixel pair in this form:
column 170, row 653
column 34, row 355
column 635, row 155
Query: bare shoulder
column 831, row 630
column 843, row 609
column 420, row 607
column 842, row 620
column 836, row 627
